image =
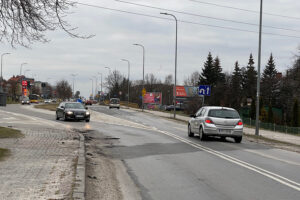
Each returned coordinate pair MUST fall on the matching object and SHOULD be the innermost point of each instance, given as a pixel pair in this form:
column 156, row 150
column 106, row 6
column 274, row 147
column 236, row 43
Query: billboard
column 153, row 97
column 186, row 91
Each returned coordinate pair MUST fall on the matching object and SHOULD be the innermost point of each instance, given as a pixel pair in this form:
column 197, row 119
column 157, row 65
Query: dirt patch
column 101, row 180
column 51, row 107
column 3, row 153
column 10, row 133
column 273, row 143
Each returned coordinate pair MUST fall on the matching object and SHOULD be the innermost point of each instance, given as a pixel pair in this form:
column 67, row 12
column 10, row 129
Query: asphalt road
column 166, row 164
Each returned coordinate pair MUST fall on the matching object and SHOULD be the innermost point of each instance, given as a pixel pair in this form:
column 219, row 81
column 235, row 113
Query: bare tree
column 63, row 90
column 26, row 21
column 193, row 79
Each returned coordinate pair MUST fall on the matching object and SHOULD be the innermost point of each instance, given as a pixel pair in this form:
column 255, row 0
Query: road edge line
column 79, row 188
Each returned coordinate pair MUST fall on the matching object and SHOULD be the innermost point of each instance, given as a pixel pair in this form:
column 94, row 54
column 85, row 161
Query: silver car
column 216, row 121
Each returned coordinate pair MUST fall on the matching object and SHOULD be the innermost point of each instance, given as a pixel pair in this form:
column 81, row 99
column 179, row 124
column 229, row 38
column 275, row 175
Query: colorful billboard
column 186, row 91
column 153, row 97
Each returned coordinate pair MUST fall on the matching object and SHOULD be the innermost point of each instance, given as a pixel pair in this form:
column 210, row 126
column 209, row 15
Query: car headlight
column 70, row 113
column 87, row 113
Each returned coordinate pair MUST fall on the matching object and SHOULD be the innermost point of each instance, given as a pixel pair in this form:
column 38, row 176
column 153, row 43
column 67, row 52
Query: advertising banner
column 186, row 91
column 153, row 97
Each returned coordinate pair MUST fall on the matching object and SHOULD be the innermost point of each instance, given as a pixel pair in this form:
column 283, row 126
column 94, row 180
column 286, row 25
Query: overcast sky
column 116, row 32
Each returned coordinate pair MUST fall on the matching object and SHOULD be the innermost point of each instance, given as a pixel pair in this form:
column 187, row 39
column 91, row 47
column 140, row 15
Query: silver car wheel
column 190, row 133
column 201, row 134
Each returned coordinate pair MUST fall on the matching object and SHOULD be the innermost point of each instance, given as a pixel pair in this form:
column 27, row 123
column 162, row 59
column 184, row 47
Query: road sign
column 144, row 92
column 24, row 83
column 204, row 90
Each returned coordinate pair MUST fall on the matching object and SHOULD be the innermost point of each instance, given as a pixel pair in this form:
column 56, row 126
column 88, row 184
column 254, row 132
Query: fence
column 272, row 127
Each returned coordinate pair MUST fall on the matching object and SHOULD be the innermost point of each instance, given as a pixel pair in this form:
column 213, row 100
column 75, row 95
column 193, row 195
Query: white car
column 216, row 121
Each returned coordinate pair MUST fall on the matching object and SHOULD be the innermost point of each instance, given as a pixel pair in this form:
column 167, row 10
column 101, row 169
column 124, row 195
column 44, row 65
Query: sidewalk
column 251, row 131
column 42, row 164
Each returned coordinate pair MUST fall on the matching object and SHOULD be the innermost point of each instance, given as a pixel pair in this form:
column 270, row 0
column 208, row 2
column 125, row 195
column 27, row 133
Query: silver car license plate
column 79, row 116
column 224, row 131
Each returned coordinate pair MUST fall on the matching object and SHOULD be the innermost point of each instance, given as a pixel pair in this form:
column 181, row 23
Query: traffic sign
column 144, row 92
column 24, row 83
column 204, row 90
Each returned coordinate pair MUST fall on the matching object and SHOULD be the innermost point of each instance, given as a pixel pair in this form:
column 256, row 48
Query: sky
column 116, row 32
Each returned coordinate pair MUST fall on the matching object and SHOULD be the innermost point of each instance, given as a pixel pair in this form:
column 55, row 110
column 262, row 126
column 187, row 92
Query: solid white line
column 249, row 166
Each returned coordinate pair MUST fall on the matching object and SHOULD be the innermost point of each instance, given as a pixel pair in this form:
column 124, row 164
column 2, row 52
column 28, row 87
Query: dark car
column 72, row 111
column 89, row 102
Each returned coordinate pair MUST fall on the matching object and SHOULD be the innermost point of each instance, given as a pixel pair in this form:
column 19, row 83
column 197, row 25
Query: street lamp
column 258, row 70
column 1, row 78
column 128, row 78
column 101, row 80
column 143, row 72
column 92, row 87
column 175, row 84
column 96, row 87
column 22, row 64
column 108, row 80
column 73, row 75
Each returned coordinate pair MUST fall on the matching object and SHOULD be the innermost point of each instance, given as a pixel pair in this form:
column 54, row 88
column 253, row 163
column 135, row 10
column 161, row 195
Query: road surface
column 164, row 163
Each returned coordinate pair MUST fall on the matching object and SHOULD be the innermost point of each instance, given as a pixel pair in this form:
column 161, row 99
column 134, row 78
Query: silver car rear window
column 224, row 113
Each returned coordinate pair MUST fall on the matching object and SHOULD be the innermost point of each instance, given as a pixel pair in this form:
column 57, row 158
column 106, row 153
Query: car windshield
column 74, row 105
column 224, row 113
column 115, row 101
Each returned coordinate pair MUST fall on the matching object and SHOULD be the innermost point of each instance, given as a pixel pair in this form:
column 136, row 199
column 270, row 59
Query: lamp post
column 101, row 79
column 96, row 85
column 258, row 70
column 22, row 64
column 128, row 78
column 1, row 78
column 109, row 71
column 73, row 75
column 92, row 87
column 143, row 71
column 175, row 84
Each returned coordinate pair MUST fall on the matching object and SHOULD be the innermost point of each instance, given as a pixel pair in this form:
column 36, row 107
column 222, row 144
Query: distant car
column 89, row 102
column 25, row 100
column 114, row 103
column 47, row 101
column 171, row 107
column 216, row 121
column 53, row 101
column 72, row 111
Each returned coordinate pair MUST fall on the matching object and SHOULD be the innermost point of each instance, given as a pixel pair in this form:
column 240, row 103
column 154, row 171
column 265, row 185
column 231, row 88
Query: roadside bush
column 193, row 105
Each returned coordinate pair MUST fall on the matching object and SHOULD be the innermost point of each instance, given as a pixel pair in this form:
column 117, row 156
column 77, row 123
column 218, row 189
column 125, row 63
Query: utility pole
column 73, row 75
column 258, row 69
column 92, row 87
column 175, row 84
column 1, row 78
column 128, row 79
column 22, row 67
column 143, row 73
column 109, row 71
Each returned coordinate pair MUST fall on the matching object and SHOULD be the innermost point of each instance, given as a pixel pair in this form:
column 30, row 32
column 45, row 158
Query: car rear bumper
column 235, row 132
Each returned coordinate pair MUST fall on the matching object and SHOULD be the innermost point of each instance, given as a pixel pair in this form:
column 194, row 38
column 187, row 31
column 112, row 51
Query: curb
column 79, row 188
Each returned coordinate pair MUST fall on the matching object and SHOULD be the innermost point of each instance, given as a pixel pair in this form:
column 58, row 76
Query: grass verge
column 51, row 107
column 3, row 153
column 10, row 133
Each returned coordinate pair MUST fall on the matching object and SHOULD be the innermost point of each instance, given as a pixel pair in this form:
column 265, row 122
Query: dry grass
column 10, row 133
column 51, row 107
column 3, row 153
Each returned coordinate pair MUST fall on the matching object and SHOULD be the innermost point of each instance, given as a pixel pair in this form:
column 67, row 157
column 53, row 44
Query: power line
column 183, row 21
column 246, row 10
column 205, row 16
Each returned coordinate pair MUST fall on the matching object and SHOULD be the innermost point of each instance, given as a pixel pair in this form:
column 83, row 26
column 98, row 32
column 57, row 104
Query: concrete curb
column 79, row 188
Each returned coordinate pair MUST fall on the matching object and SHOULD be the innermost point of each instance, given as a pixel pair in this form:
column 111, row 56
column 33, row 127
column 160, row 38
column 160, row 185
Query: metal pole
column 109, row 71
column 175, row 84
column 258, row 70
column 1, row 78
column 21, row 68
column 73, row 75
column 143, row 73
column 128, row 79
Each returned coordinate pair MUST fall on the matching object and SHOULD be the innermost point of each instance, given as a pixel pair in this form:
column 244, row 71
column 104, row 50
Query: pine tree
column 296, row 114
column 207, row 75
column 218, row 75
column 269, row 83
column 253, row 109
column 236, row 86
column 250, row 77
column 270, row 114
